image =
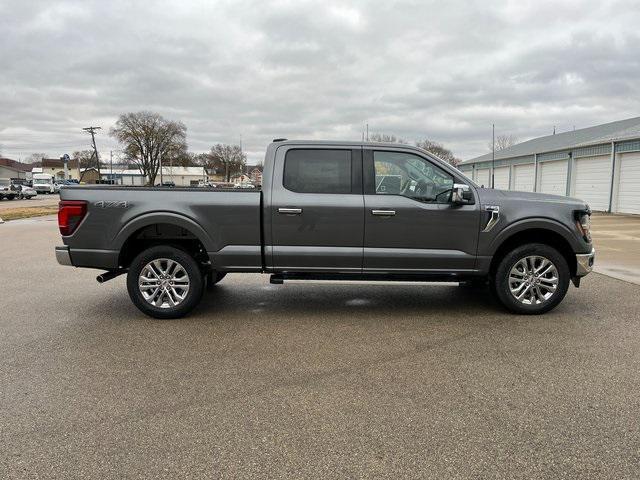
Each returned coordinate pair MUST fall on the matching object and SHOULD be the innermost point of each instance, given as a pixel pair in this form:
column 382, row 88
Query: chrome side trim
column 584, row 263
column 63, row 257
column 495, row 217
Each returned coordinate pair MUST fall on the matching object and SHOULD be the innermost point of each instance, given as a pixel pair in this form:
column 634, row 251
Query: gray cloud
column 302, row 69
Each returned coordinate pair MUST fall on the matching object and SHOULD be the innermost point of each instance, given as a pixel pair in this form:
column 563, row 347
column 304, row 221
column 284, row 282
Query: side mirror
column 461, row 194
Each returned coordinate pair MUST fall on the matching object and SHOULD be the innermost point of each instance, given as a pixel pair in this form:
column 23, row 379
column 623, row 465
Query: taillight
column 70, row 214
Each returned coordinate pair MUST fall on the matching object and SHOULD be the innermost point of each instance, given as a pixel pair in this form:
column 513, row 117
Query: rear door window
column 318, row 171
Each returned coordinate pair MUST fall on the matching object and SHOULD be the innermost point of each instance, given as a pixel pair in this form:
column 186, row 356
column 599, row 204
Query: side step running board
column 280, row 278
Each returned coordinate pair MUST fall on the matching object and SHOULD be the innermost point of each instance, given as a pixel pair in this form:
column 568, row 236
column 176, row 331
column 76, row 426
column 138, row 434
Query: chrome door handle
column 290, row 211
column 383, row 213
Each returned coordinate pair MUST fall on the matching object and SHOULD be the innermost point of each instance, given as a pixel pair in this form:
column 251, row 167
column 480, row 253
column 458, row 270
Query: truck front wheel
column 531, row 279
column 165, row 282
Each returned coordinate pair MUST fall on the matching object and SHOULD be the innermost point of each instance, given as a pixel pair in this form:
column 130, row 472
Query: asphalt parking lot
column 40, row 200
column 309, row 381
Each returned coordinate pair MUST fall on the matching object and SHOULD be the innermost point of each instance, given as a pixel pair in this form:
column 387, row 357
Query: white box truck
column 43, row 183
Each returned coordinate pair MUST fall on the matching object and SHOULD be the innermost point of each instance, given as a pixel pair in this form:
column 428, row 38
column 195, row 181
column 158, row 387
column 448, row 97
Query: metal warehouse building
column 600, row 165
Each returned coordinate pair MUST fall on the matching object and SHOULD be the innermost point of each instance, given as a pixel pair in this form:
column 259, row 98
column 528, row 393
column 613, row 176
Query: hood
column 490, row 195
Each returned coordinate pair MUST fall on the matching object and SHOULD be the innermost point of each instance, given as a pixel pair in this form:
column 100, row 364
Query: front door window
column 398, row 173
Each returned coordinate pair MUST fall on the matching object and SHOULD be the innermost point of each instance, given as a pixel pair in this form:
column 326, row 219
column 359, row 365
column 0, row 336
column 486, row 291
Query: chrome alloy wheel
column 533, row 280
column 164, row 283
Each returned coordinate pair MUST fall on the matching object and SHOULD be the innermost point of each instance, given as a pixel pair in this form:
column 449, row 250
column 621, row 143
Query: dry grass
column 26, row 212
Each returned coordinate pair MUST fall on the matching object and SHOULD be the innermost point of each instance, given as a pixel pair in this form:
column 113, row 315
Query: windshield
column 42, row 180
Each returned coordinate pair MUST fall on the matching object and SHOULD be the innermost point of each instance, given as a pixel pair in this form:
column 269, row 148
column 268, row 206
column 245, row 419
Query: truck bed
column 226, row 222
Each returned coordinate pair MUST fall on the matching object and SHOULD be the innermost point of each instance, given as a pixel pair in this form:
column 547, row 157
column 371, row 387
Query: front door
column 411, row 226
column 317, row 209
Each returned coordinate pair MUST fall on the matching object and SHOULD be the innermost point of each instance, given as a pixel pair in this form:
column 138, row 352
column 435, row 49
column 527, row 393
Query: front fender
column 490, row 245
column 169, row 218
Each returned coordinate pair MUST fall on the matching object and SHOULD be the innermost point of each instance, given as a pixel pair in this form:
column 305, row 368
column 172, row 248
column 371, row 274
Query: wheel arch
column 161, row 228
column 542, row 231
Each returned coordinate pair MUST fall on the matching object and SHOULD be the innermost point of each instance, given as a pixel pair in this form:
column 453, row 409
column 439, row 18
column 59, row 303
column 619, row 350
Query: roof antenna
column 554, row 129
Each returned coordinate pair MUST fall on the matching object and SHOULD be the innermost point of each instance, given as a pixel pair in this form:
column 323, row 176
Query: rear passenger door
column 317, row 209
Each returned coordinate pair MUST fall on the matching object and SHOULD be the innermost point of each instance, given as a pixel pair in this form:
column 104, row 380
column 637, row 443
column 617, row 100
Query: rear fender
column 166, row 218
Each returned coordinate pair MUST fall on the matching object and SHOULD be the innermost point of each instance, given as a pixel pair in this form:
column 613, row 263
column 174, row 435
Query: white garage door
column 501, row 178
column 523, row 177
column 629, row 183
column 482, row 177
column 553, row 177
column 591, row 181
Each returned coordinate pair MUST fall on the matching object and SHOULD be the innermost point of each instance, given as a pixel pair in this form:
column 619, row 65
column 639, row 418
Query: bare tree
column 148, row 138
column 229, row 158
column 184, row 159
column 504, row 141
column 439, row 151
column 386, row 138
column 36, row 157
column 84, row 158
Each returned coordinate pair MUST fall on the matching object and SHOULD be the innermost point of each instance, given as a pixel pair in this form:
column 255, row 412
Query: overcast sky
column 321, row 70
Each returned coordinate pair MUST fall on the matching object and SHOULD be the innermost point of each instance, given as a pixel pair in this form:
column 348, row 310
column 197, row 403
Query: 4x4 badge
column 103, row 204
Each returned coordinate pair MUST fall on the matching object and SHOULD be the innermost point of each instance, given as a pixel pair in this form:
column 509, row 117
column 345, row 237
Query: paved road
column 617, row 240
column 301, row 380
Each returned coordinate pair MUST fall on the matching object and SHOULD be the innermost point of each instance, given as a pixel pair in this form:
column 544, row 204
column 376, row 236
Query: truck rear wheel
column 165, row 282
column 532, row 279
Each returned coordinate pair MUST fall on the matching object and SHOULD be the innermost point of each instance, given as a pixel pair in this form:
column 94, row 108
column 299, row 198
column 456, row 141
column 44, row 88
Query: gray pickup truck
column 330, row 210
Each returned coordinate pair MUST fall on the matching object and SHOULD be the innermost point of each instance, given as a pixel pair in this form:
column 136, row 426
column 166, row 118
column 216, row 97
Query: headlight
column 583, row 222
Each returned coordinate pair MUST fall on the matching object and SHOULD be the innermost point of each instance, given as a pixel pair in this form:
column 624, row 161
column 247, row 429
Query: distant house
column 13, row 169
column 249, row 174
column 240, row 178
column 55, row 167
column 255, row 173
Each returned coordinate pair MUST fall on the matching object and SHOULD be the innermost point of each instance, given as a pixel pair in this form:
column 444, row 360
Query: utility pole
column 493, row 154
column 160, row 160
column 92, row 131
column 111, row 166
column 367, row 132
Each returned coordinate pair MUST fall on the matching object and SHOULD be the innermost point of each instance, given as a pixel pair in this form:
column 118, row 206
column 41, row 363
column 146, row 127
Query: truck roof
column 343, row 143
column 348, row 143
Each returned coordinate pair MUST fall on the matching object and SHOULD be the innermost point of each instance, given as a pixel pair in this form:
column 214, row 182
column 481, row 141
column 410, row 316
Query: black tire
column 188, row 264
column 11, row 197
column 500, row 284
